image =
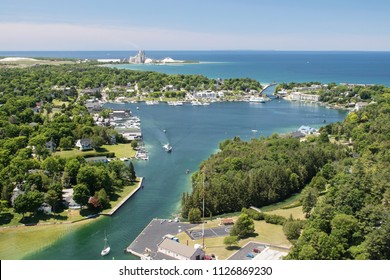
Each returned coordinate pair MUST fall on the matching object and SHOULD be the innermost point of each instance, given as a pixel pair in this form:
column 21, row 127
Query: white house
column 84, row 144
column 307, row 130
column 179, row 251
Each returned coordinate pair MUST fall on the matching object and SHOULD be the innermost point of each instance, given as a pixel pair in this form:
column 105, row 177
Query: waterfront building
column 299, row 96
column 179, row 251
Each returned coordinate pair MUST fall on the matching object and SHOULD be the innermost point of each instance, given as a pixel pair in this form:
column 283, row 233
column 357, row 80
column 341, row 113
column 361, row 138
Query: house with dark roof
column 84, row 144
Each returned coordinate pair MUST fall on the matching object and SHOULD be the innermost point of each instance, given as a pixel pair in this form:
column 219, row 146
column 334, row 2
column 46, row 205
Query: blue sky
column 194, row 25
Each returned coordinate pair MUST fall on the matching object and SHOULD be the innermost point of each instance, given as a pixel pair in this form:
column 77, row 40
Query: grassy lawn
column 58, row 103
column 120, row 194
column 120, row 150
column 292, row 200
column 18, row 242
column 266, row 233
column 296, row 213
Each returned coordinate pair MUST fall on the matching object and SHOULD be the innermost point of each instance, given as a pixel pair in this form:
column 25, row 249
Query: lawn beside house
column 120, row 150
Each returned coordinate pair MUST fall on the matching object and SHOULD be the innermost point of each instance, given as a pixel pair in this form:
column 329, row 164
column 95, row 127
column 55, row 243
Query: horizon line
column 198, row 50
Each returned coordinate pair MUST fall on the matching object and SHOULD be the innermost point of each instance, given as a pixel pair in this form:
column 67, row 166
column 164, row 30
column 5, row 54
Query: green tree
column 194, row 215
column 97, row 141
column 66, row 142
column 308, row 253
column 51, row 198
column 132, row 172
column 292, row 229
column 229, row 241
column 134, row 144
column 309, row 200
column 21, row 205
column 81, row 194
column 104, row 201
column 72, row 167
column 243, row 226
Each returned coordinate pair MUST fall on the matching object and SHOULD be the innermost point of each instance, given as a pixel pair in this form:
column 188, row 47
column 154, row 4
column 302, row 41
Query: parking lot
column 242, row 254
column 209, row 232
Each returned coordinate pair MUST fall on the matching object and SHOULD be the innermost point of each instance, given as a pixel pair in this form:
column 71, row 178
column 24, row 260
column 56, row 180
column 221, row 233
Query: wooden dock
column 113, row 210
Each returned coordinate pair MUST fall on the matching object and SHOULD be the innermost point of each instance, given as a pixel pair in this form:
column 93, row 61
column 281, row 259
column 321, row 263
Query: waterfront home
column 299, row 96
column 306, row 130
column 84, row 144
column 360, row 105
column 102, row 159
column 208, row 94
column 179, row 251
column 93, row 105
column 67, row 197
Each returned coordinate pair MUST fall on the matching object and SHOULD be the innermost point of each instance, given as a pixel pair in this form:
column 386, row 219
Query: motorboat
column 167, row 148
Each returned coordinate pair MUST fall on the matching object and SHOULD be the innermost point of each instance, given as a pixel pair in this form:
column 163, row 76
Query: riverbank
column 19, row 241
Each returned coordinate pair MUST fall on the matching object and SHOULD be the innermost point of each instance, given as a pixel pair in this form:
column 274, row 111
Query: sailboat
column 106, row 248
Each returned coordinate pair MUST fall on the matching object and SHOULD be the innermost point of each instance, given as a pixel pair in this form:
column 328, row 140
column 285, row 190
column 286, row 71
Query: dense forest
column 344, row 174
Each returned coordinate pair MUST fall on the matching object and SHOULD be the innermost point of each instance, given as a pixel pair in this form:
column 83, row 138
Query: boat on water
column 152, row 102
column 255, row 99
column 106, row 248
column 167, row 148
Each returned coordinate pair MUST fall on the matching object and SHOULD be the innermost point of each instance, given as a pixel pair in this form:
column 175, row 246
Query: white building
column 179, row 251
column 139, row 58
column 209, row 94
column 299, row 96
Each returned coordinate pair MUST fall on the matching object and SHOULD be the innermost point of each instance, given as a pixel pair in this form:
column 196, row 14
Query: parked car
column 249, row 255
column 257, row 250
column 207, row 257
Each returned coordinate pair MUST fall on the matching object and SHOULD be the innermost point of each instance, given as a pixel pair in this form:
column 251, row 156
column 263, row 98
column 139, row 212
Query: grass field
column 120, row 150
column 296, row 213
column 17, row 241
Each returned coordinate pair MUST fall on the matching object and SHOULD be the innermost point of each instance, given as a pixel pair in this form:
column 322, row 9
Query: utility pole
column 203, row 217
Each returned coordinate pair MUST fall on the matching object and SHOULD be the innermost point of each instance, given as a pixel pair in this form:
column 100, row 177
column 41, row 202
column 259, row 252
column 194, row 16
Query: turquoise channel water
column 194, row 132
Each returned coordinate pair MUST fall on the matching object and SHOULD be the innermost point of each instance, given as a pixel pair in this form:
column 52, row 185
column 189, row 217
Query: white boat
column 167, row 148
column 206, row 104
column 152, row 102
column 196, row 103
column 178, row 103
column 255, row 99
column 106, row 248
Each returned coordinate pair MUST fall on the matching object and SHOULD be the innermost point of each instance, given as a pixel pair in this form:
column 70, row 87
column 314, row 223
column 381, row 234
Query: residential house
column 102, row 159
column 306, row 130
column 84, row 144
column 51, row 146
